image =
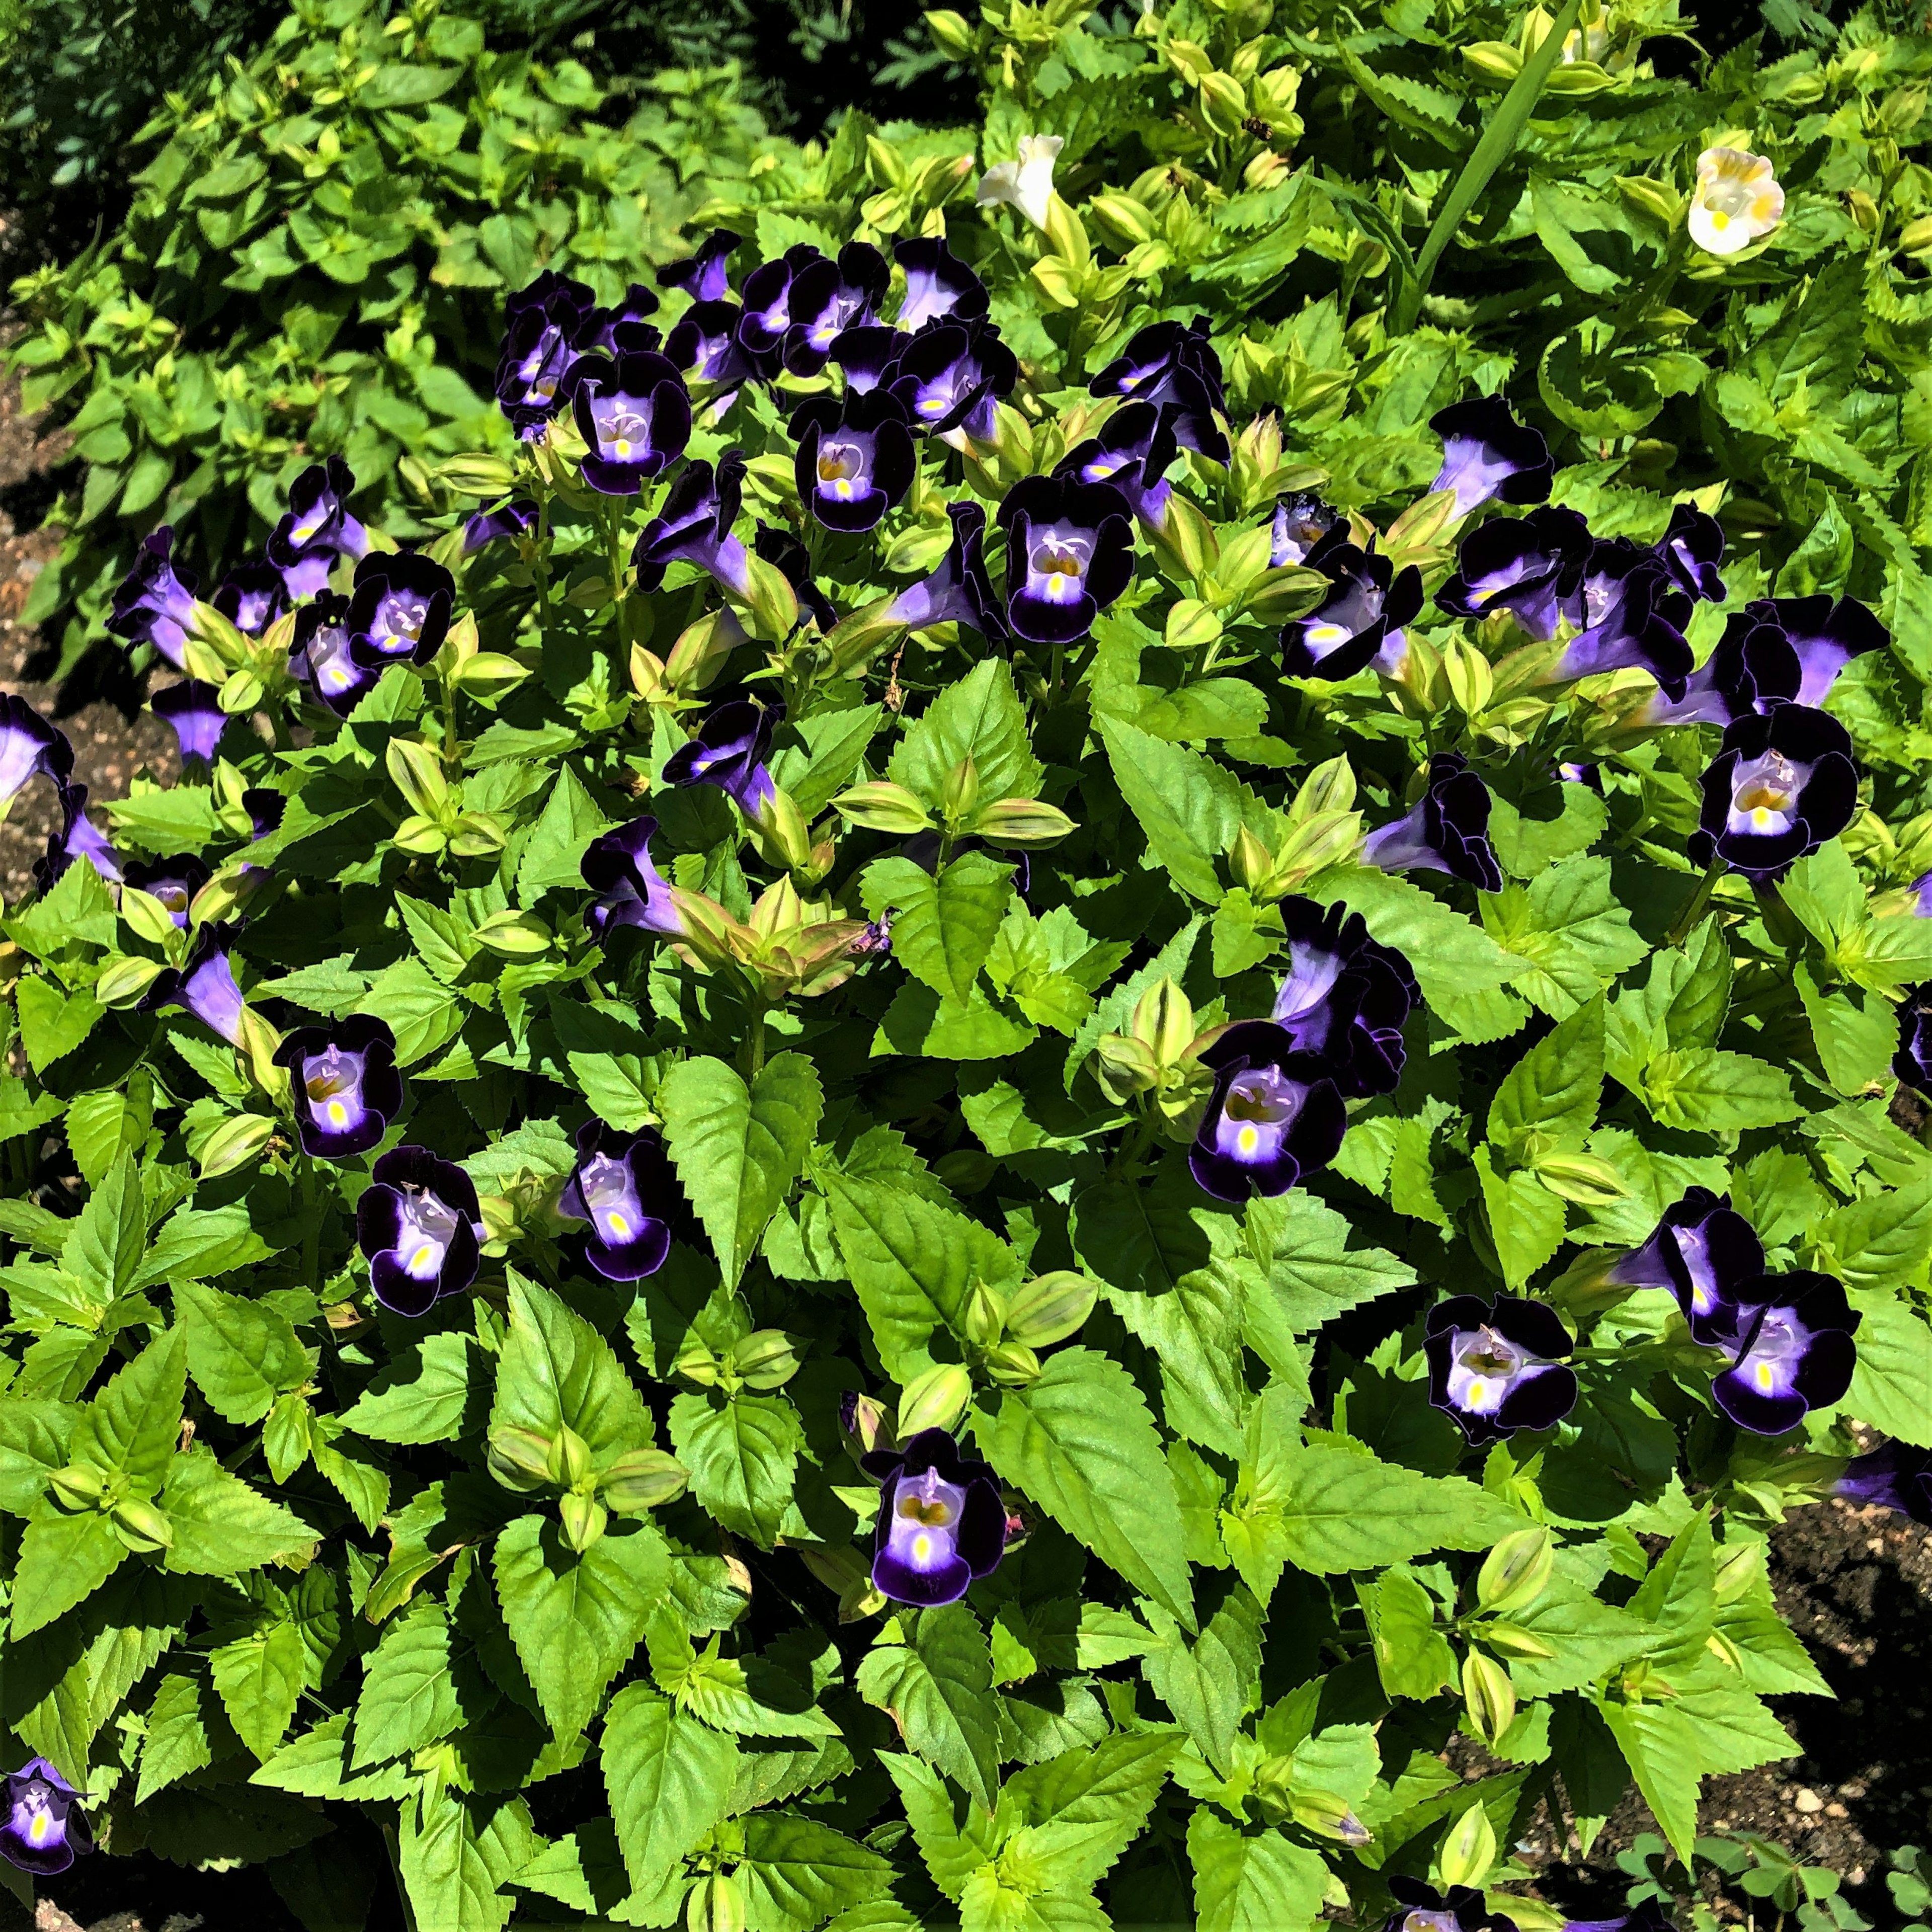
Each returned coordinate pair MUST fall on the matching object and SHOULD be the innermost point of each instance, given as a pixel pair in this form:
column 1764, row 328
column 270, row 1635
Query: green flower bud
column 934, row 1400
column 145, row 1529
column 1051, row 1307
column 641, row 1479
column 984, row 1320
column 520, row 1460
column 1516, row 1571
column 1012, row 1365
column 765, row 1359
column 79, row 1485
column 584, row 1519
column 1490, row 1695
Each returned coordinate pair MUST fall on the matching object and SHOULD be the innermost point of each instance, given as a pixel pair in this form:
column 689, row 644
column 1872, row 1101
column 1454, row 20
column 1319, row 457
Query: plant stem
column 311, row 1219
column 613, row 554
column 1694, row 910
column 757, row 1043
column 1780, row 923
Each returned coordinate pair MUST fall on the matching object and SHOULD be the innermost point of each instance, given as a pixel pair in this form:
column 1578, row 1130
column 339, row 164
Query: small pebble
column 1808, row 1801
column 1836, row 1811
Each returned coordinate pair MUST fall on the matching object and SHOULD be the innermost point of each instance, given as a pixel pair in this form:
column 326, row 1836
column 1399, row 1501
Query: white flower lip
column 1026, row 183
column 1738, row 201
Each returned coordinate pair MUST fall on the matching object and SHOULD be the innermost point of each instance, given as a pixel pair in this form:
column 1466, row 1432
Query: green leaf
column 457, row 1856
column 944, row 926
column 669, row 1778
column 259, row 1678
column 1526, row 1221
column 1554, row 1089
column 980, row 717
column 241, row 1354
column 952, row 1853
column 937, row 1687
column 133, row 1424
column 1080, row 1442
column 798, row 1871
column 315, row 1764
column 738, row 1150
column 1084, row 1807
column 1413, row 1658
column 741, row 1453
column 185, row 1726
column 105, row 1249
column 1313, row 1275
column 221, row 1526
column 570, row 819
column 1452, row 956
column 1591, row 1638
column 576, row 1617
column 1879, row 1242
column 432, row 1391
column 1891, row 1382
column 63, row 1560
column 52, row 1024
column 1249, row 1878
column 1210, row 1684
column 411, row 1695
column 1189, row 806
column 1705, row 1090
column 33, row 1440
column 621, row 1088
column 198, row 1245
column 557, row 1372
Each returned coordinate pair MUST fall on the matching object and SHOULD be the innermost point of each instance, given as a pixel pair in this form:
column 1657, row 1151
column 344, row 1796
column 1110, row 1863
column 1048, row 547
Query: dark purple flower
column 173, row 881
column 1691, row 549
column 1753, row 667
column 1132, row 452
column 155, row 603
column 1447, row 831
column 794, row 561
column 950, row 377
column 1790, row 1344
column 198, row 721
column 960, row 591
column 346, row 1085
column 768, row 292
column 318, row 529
column 694, row 527
column 1487, row 455
column 29, row 747
column 868, row 356
column 937, row 284
column 1070, row 554
column 1360, row 621
column 623, row 1186
column 855, row 459
column 319, row 655
column 634, row 414
column 419, row 1222
column 1646, row 1915
column 1825, row 635
column 264, row 809
column 1299, row 524
column 1497, row 1367
column 542, row 322
column 621, row 329
column 1912, row 1063
column 828, row 297
column 1590, row 777
column 942, row 1525
column 728, row 751
column 877, row 939
column 1897, row 1476
column 703, row 276
column 1345, row 997
column 1701, row 1250
column 1275, row 1113
column 78, row 838
column 398, row 611
column 1778, row 788
column 705, row 343
column 46, row 1830
column 1157, row 364
column 1424, row 1909
column 251, row 597
column 1531, row 566
column 204, row 987
column 510, row 518
column 1630, row 615
column 630, row 889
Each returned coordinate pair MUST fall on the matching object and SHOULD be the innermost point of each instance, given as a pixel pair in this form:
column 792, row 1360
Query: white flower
column 1027, row 183
column 1737, row 199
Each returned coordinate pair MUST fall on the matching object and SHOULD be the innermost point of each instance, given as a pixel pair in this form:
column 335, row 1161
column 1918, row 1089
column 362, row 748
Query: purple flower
column 1300, row 523
column 398, row 611
column 1778, row 788
column 1790, row 1341
column 1447, row 831
column 855, row 457
column 1487, row 455
column 620, row 329
column 1630, row 615
column 1753, row 667
column 541, row 325
column 78, row 838
column 1897, row 1476
column 634, row 414
column 318, row 529
column 622, row 1185
column 45, row 1829
column 1132, row 452
column 828, row 297
column 1495, row 1367
column 1531, row 566
column 794, row 561
column 960, row 591
column 1070, row 554
column 1702, row 1250
column 630, row 890
column 1647, row 1916
column 1275, row 1113
column 1166, row 362
column 937, row 284
column 728, row 751
column 510, row 518
column 29, row 747
column 1691, row 549
column 1360, row 621
column 1571, row 771
column 950, row 376
column 419, row 1221
column 703, row 276
column 155, row 603
column 264, row 809
column 204, row 987
column 196, row 717
column 705, row 342
column 1424, row 1909
column 1345, row 997
column 694, row 527
column 942, row 1525
column 869, row 355
column 1912, row 1063
column 346, row 1087
column 1825, row 635
column 768, row 292
column 173, row 881
column 319, row 655
column 251, row 597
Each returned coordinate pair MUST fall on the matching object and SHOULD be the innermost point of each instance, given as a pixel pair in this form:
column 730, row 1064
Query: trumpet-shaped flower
column 1737, row 201
column 1026, row 182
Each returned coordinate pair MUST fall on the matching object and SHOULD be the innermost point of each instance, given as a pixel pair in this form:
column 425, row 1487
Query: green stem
column 543, row 566
column 311, row 1218
column 613, row 554
column 1694, row 907
column 758, row 1039
column 1780, row 924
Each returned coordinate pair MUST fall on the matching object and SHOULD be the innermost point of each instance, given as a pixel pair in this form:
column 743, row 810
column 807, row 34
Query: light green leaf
column 1210, row 1684
column 798, row 1871
column 104, row 1250
column 570, row 819
column 980, row 717
column 411, row 1695
column 937, row 1687
column 1250, row 1879
column 1891, row 1383
column 431, row 1392
column 1188, row 805
column 669, row 1778
column 1553, row 1089
column 133, row 1423
column 221, row 1526
column 1705, row 1090
column 259, row 1677
column 741, row 1453
column 64, row 1559
column 944, row 926
column 198, row 1245
column 457, row 1856
column 557, row 1371
column 241, row 1354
